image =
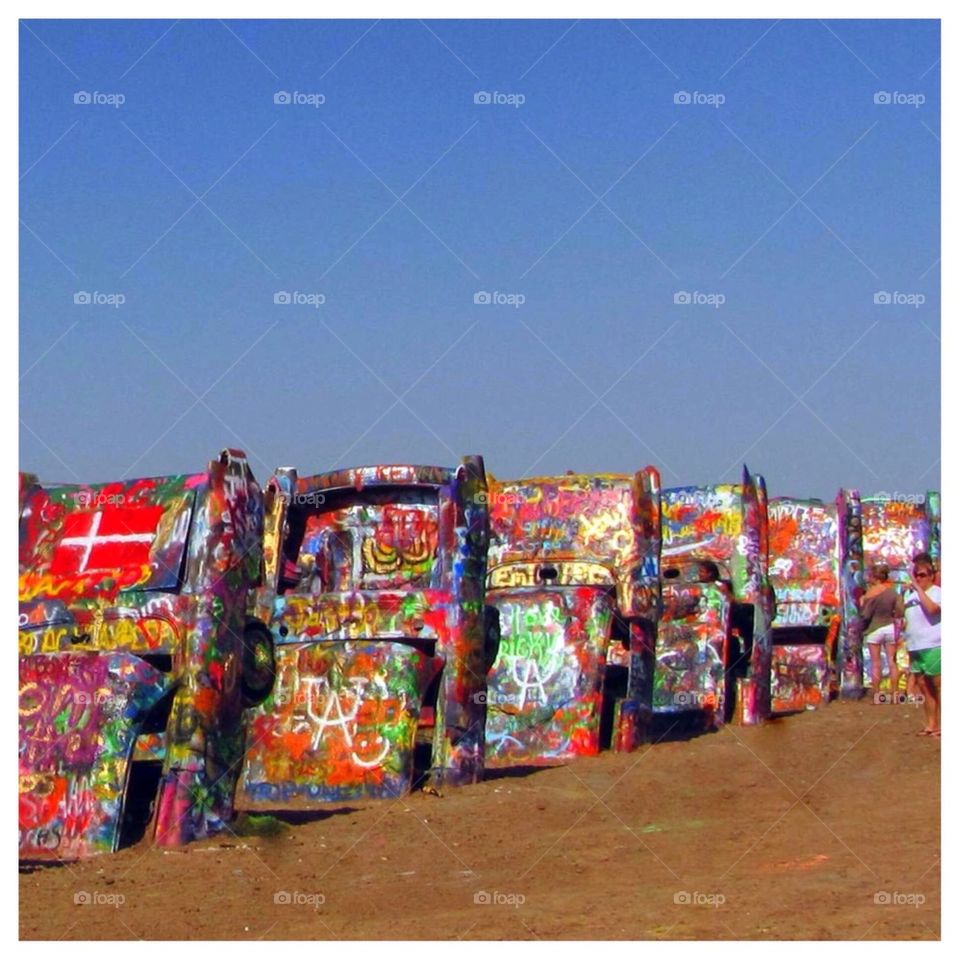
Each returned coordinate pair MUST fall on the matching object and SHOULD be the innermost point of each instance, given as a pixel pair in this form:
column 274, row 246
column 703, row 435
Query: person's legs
column 929, row 703
column 894, row 671
column 875, row 675
column 916, row 686
column 931, row 666
column 935, row 687
column 925, row 666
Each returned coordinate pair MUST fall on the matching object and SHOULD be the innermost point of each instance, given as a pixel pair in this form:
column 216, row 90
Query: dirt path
column 751, row 833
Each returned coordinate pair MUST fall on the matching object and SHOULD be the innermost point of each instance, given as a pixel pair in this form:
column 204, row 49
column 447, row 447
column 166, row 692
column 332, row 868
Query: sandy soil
column 751, row 833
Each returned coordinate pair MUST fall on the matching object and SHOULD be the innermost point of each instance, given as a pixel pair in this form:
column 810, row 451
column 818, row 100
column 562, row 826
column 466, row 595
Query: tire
column 259, row 665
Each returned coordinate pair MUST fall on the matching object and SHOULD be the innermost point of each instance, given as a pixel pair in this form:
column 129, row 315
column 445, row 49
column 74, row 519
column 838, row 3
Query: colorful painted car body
column 895, row 529
column 373, row 591
column 714, row 638
column 133, row 663
column 815, row 568
column 573, row 569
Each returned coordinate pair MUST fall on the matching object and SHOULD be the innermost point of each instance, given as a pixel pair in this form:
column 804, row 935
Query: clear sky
column 777, row 197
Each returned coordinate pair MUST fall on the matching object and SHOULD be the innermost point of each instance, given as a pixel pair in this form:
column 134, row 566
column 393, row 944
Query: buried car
column 713, row 640
column 573, row 573
column 373, row 592
column 895, row 529
column 136, row 660
column 816, row 570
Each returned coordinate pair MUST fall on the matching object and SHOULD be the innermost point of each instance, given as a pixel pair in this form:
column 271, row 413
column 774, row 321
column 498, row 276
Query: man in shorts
column 921, row 615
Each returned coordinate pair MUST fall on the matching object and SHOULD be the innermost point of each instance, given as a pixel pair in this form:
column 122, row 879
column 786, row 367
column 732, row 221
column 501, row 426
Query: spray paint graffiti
column 815, row 564
column 340, row 724
column 77, row 727
column 545, row 689
column 374, row 593
column 894, row 531
column 133, row 601
column 692, row 649
column 718, row 603
column 573, row 572
column 852, row 567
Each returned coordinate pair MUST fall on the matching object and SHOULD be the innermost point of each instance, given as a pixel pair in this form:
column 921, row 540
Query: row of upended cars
column 196, row 645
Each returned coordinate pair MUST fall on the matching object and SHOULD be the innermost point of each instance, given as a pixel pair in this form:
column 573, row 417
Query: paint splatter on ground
column 775, row 820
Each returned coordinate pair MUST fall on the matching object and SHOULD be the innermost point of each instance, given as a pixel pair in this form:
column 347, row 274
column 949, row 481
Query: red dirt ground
column 752, row 833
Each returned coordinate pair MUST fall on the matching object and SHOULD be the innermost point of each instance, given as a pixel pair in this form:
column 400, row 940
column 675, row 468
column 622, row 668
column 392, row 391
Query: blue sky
column 781, row 202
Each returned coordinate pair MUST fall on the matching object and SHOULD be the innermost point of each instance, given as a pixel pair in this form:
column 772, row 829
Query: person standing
column 879, row 609
column 921, row 614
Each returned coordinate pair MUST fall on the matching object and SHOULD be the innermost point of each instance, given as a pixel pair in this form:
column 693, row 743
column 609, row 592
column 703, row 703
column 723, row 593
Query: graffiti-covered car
column 136, row 660
column 713, row 641
column 373, row 592
column 816, row 570
column 573, row 573
column 895, row 529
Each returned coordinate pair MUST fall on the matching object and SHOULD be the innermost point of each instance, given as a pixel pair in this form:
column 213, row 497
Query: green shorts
column 925, row 661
